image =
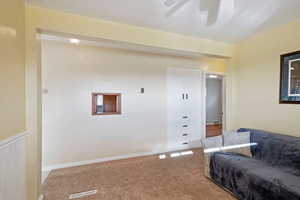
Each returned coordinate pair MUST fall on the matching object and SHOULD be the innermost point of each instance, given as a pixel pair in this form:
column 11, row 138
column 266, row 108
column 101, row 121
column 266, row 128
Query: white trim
column 12, row 139
column 224, row 102
column 223, row 77
column 100, row 160
column 207, row 124
column 204, row 94
column 45, row 174
column 82, row 194
column 289, row 78
column 215, row 73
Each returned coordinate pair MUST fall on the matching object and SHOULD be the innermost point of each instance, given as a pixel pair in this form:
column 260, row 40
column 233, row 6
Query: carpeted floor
column 145, row 178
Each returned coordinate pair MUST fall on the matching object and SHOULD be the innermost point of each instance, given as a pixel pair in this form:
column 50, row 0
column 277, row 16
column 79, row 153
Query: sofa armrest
column 210, row 144
column 228, row 142
column 237, row 142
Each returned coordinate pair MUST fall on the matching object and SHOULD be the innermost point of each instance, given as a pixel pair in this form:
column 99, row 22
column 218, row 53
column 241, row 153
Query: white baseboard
column 219, row 123
column 45, row 174
column 47, row 169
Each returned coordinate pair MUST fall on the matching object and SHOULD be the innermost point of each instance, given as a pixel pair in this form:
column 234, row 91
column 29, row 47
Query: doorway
column 214, row 104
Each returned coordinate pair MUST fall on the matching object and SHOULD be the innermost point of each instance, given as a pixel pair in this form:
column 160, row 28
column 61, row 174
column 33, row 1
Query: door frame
column 224, row 100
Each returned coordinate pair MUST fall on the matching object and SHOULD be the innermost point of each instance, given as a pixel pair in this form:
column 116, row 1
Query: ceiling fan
column 212, row 9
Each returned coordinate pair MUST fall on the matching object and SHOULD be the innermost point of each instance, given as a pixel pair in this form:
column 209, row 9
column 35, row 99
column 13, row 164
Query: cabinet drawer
column 185, row 136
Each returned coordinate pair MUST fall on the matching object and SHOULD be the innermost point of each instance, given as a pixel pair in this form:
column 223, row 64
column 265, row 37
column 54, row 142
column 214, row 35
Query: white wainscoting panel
column 13, row 168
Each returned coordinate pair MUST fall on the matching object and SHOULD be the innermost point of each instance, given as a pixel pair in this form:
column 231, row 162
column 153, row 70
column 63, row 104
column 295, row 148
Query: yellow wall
column 50, row 20
column 257, row 74
column 218, row 66
column 12, row 68
column 38, row 19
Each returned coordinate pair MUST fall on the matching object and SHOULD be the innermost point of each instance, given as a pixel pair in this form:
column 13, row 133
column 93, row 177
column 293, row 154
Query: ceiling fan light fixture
column 74, row 41
column 213, row 76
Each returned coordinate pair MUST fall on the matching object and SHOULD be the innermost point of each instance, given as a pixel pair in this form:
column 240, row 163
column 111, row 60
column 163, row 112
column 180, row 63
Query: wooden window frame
column 118, row 103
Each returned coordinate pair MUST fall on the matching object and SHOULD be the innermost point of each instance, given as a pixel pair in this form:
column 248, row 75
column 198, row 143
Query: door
column 175, row 105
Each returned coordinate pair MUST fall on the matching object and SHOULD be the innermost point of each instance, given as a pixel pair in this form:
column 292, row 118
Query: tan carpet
column 146, row 178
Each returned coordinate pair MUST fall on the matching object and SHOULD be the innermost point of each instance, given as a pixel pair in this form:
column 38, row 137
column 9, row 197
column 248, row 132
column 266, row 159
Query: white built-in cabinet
column 184, row 108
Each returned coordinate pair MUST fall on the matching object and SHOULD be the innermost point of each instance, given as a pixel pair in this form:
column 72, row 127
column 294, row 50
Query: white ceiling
column 249, row 17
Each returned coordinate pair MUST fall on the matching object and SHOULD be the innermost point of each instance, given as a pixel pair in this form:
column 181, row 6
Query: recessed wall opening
column 106, row 103
column 214, row 105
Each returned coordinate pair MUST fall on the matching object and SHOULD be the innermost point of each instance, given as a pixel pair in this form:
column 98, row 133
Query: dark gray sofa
column 272, row 173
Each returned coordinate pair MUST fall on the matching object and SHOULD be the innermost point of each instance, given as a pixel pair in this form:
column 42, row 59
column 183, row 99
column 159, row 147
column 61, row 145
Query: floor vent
column 82, row 194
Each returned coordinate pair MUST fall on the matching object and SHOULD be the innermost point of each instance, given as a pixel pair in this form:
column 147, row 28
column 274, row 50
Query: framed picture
column 290, row 78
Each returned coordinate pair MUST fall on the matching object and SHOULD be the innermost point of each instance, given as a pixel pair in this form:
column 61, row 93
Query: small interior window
column 106, row 103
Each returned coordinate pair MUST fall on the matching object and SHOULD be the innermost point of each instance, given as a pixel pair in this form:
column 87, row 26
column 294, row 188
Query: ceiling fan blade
column 205, row 5
column 227, row 9
column 176, row 7
column 211, row 9
column 170, row 3
column 217, row 9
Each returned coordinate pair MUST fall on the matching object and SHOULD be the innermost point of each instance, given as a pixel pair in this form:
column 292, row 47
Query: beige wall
column 12, row 68
column 257, row 73
column 218, row 66
column 72, row 72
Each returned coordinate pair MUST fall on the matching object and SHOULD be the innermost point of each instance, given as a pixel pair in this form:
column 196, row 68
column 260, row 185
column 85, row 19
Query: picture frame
column 290, row 78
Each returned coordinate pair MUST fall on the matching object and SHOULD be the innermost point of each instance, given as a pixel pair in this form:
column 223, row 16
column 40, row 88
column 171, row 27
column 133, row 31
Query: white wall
column 213, row 100
column 71, row 73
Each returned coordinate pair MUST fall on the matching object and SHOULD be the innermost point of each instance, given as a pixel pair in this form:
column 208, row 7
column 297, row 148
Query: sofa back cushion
column 275, row 149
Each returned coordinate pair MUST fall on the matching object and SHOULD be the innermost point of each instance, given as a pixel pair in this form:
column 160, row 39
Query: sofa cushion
column 276, row 149
column 236, row 138
column 213, row 142
column 252, row 179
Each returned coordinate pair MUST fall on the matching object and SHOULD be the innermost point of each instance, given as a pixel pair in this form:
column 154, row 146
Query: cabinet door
column 175, row 101
column 193, row 104
column 183, row 107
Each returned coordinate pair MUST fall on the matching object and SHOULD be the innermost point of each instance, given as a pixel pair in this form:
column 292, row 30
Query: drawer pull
column 185, row 134
column 185, row 126
column 185, row 143
column 185, row 117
